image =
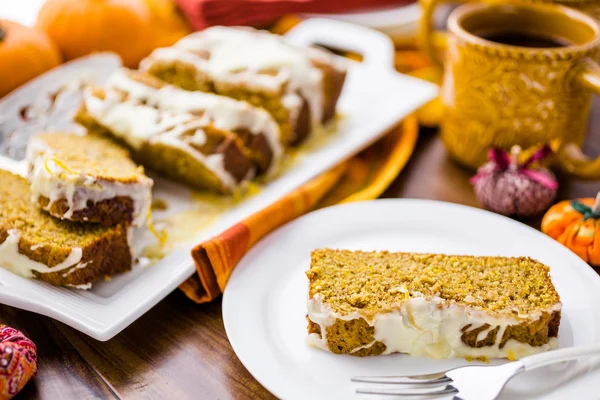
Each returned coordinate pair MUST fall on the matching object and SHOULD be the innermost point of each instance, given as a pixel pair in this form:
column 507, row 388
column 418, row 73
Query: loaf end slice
column 34, row 244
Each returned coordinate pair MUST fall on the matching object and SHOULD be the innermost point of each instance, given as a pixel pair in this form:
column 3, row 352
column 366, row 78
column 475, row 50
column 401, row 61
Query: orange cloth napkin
column 204, row 13
column 363, row 177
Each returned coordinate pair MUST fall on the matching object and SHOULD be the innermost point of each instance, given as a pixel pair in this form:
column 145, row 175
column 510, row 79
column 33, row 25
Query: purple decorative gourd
column 508, row 187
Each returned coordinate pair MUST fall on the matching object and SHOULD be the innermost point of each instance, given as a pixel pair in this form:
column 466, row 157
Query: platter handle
column 376, row 48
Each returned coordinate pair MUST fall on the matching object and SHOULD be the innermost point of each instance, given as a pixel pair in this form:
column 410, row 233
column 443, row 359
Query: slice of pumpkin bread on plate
column 436, row 305
column 179, row 145
column 34, row 244
column 87, row 178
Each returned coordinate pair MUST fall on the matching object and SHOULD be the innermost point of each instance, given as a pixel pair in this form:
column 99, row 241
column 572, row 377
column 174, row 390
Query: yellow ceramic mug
column 433, row 42
column 499, row 95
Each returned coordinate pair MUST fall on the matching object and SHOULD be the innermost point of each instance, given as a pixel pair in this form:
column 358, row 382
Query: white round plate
column 264, row 305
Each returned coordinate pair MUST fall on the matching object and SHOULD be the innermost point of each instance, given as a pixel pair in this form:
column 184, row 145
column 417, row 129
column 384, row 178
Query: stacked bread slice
column 254, row 126
column 194, row 140
column 87, row 178
column 220, row 107
column 70, row 223
column 299, row 86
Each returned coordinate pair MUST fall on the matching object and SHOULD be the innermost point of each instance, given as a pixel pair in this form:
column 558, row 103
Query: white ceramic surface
column 264, row 305
column 400, row 23
column 374, row 99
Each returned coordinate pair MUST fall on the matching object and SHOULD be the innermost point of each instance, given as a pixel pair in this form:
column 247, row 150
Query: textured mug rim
column 456, row 28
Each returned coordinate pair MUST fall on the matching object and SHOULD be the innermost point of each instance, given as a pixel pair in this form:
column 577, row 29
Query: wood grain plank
column 62, row 372
column 177, row 350
column 431, row 174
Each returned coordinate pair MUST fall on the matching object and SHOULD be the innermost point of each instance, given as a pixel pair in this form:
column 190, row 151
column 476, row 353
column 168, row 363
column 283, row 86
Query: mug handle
column 430, row 39
column 569, row 155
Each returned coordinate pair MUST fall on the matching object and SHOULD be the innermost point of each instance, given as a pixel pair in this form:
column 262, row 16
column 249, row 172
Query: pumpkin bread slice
column 87, row 178
column 35, row 245
column 181, row 146
column 436, row 305
column 254, row 126
column 299, row 86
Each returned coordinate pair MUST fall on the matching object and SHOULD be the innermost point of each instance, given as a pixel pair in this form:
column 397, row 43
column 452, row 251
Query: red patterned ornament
column 18, row 361
column 508, row 187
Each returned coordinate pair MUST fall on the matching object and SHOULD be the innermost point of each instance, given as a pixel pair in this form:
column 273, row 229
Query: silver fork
column 473, row 382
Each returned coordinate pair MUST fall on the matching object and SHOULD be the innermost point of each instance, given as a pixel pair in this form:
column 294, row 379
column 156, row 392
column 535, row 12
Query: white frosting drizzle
column 20, row 264
column 83, row 286
column 214, row 162
column 75, row 268
column 430, row 328
column 79, row 188
column 222, row 112
column 129, row 120
column 238, row 55
column 483, row 334
column 125, row 120
column 199, row 137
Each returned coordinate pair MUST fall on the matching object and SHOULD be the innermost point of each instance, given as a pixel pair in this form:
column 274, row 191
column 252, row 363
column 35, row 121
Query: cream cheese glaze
column 239, row 55
column 83, row 286
column 133, row 122
column 138, row 124
column 214, row 162
column 433, row 328
column 79, row 265
column 20, row 264
column 220, row 111
column 50, row 180
column 238, row 49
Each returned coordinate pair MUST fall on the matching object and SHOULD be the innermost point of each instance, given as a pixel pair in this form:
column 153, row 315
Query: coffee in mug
column 432, row 40
column 523, row 39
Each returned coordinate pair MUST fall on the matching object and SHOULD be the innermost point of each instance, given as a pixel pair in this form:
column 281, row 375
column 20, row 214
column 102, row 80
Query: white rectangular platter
column 374, row 99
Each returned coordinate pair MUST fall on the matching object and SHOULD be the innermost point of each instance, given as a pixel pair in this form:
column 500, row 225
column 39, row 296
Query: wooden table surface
column 179, row 349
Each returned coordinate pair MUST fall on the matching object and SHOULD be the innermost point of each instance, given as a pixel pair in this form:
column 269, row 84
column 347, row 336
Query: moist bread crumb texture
column 93, row 155
column 104, row 251
column 257, row 129
column 180, row 145
column 299, row 86
column 87, row 178
column 357, row 288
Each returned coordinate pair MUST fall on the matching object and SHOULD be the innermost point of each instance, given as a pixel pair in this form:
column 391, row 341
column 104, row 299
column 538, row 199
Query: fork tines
column 434, row 386
column 410, row 394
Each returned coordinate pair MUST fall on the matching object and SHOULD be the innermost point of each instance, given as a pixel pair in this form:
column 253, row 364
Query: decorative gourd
column 24, row 54
column 81, row 27
column 168, row 24
column 576, row 224
column 19, row 361
column 509, row 187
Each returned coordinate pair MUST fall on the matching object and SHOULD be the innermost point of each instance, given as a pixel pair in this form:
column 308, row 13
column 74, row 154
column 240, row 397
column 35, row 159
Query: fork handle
column 550, row 357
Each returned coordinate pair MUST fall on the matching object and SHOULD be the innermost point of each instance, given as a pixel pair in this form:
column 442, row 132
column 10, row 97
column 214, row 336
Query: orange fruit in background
column 81, row 27
column 168, row 23
column 24, row 54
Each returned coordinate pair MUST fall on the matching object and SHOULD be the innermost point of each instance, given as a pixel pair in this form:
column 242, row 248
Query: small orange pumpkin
column 81, row 27
column 168, row 24
column 24, row 54
column 576, row 224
